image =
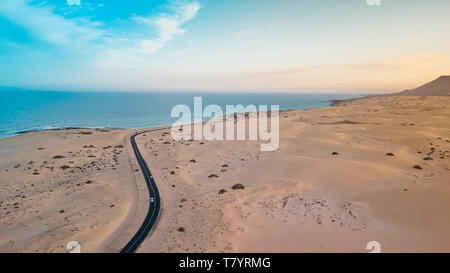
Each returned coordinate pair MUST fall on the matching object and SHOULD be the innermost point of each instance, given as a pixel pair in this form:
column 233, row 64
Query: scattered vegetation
column 64, row 167
column 238, row 187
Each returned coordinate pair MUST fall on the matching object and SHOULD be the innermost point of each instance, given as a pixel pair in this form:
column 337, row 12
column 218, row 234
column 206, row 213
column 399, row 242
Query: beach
column 371, row 169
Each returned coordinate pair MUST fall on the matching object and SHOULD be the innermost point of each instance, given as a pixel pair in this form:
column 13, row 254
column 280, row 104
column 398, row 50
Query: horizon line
column 203, row 90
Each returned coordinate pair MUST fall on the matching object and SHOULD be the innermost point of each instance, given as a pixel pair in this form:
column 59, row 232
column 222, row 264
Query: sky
column 218, row 45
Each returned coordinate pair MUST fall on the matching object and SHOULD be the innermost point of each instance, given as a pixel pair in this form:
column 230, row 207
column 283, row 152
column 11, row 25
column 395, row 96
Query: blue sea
column 22, row 110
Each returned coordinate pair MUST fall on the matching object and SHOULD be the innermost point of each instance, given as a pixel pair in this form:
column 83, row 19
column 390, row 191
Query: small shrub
column 238, row 187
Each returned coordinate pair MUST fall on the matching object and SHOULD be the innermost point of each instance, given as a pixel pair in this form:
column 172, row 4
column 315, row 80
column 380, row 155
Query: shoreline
column 68, row 128
column 150, row 127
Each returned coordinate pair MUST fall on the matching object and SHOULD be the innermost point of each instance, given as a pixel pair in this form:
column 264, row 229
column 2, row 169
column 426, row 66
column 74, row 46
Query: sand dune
column 302, row 197
column 438, row 87
column 373, row 169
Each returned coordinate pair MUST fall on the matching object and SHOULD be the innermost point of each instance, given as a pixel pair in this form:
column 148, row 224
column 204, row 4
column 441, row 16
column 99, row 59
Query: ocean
column 22, row 110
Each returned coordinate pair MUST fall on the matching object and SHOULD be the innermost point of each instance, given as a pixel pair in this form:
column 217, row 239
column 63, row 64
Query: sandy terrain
column 299, row 198
column 302, row 197
column 62, row 186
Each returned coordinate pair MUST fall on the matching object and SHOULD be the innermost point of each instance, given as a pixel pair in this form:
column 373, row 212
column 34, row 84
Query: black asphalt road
column 155, row 203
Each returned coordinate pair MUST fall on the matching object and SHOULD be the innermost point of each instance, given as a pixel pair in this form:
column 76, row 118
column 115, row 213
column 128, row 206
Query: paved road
column 155, row 203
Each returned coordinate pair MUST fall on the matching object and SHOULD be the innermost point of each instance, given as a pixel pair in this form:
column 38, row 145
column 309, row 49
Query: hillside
column 438, row 87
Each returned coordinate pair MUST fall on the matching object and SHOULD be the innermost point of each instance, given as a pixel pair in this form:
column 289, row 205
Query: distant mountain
column 438, row 87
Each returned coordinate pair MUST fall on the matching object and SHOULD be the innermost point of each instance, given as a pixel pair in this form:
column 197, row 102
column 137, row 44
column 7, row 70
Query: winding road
column 155, row 202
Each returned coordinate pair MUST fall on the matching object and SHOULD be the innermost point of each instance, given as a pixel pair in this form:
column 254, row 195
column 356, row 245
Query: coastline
column 332, row 103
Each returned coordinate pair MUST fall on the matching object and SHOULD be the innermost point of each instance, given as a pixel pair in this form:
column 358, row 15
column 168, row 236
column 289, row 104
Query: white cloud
column 90, row 45
column 73, row 2
column 243, row 34
column 42, row 23
column 167, row 26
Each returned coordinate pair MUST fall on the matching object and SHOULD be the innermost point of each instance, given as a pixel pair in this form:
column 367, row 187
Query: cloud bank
column 73, row 2
column 168, row 26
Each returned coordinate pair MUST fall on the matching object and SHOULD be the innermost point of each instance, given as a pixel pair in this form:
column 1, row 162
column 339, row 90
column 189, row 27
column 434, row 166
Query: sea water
column 24, row 110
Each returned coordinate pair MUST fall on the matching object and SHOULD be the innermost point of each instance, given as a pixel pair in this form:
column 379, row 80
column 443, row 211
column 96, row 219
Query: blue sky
column 286, row 45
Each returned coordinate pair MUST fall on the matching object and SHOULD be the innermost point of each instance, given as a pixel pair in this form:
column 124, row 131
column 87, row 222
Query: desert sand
column 66, row 185
column 373, row 169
